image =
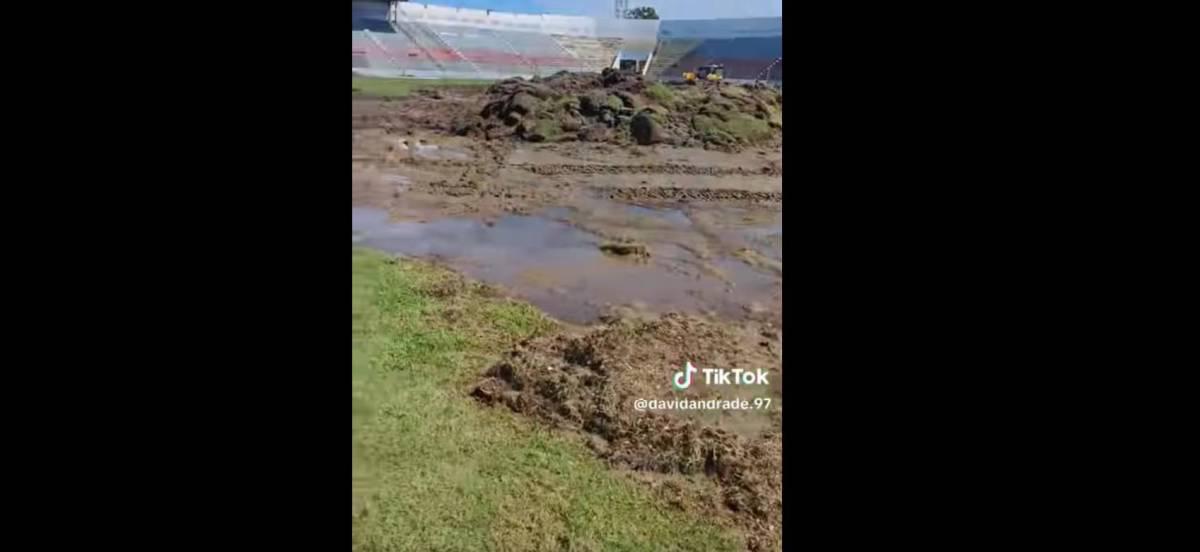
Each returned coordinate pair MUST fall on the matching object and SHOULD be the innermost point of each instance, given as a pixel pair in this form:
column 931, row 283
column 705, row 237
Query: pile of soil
column 621, row 108
column 588, row 383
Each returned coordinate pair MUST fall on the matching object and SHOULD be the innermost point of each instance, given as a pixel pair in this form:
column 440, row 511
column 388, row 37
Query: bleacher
column 447, row 59
column 594, row 54
column 405, row 53
column 541, row 50
column 670, row 53
column 482, row 48
column 438, row 41
column 463, row 43
column 366, row 54
column 391, row 53
column 743, row 58
column 746, row 47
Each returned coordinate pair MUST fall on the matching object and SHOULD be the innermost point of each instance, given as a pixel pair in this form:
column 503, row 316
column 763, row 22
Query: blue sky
column 667, row 9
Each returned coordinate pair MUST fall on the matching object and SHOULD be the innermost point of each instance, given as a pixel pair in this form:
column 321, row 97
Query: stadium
column 430, row 41
column 567, row 234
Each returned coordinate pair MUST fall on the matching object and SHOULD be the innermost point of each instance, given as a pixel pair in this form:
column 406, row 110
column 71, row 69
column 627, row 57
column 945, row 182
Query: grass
column 661, row 94
column 549, row 129
column 395, row 88
column 735, row 128
column 434, row 470
column 615, row 103
column 567, row 102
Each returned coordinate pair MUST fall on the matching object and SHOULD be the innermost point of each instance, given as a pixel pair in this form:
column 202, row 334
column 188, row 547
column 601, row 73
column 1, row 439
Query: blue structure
column 749, row 48
column 370, row 16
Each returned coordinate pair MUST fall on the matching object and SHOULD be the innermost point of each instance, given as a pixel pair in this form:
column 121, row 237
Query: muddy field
column 559, row 194
column 721, row 464
column 592, row 220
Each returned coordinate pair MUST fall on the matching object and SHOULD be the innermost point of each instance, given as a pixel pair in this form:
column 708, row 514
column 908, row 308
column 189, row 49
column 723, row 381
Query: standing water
column 560, row 268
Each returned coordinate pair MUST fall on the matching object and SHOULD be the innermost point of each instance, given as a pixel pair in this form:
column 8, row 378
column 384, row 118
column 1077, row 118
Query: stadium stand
column 750, row 48
column 670, row 52
column 437, row 41
column 447, row 59
column 422, row 40
column 366, row 53
column 406, row 55
column 487, row 50
column 593, row 54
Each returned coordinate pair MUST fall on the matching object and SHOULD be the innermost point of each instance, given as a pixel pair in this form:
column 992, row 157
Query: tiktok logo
column 683, row 379
column 720, row 376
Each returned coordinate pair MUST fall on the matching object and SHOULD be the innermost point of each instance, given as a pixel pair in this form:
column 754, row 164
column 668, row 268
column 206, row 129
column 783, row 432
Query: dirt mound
column 621, row 108
column 589, row 383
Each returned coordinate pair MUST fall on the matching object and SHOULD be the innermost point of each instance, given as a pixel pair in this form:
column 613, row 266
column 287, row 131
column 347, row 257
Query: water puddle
column 741, row 228
column 421, row 149
column 560, row 268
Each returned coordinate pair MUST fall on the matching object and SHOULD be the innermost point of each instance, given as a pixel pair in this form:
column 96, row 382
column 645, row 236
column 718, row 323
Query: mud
column 672, row 193
column 415, row 111
column 687, row 207
column 669, row 168
column 588, row 382
column 693, row 271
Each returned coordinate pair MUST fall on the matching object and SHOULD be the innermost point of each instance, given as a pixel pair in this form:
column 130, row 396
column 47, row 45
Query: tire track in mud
column 475, row 172
column 661, row 168
column 585, row 169
column 675, row 193
column 467, row 185
column 666, row 193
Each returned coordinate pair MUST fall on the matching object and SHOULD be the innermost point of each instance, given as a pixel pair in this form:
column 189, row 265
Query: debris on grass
column 588, row 382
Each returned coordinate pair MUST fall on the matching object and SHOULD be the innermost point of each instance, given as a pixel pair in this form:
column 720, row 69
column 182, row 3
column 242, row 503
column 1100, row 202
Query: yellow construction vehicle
column 710, row 73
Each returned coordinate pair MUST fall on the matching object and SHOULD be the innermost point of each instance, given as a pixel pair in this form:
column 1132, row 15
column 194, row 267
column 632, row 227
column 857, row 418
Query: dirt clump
column 626, row 249
column 589, row 383
column 646, row 130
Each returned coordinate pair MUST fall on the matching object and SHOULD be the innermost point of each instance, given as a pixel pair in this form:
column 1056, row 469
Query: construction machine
column 712, row 73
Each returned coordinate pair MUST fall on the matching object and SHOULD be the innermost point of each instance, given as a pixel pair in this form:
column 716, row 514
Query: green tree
column 644, row 12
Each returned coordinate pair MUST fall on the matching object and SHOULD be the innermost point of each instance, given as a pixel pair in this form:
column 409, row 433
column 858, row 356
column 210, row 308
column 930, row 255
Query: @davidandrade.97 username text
column 759, row 403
